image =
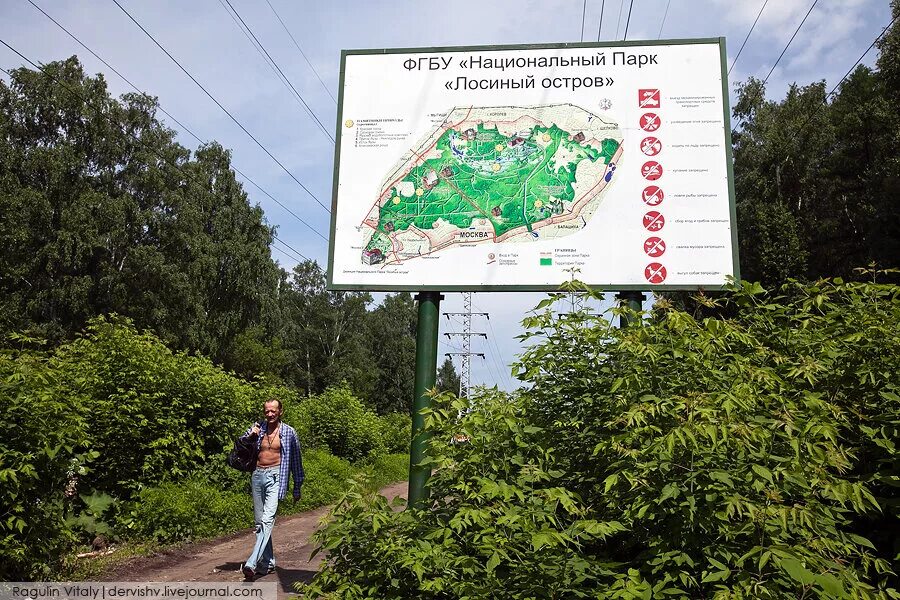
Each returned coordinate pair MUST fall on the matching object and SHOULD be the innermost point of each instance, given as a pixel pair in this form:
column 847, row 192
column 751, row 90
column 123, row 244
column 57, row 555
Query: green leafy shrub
column 186, row 510
column 326, row 478
column 389, row 468
column 339, row 421
column 747, row 457
column 42, row 455
column 396, row 432
column 152, row 414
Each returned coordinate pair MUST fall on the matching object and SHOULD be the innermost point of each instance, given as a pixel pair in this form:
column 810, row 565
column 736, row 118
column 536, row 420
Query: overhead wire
column 583, row 12
column 302, row 53
column 628, row 20
column 284, row 77
column 600, row 25
column 619, row 18
column 75, row 93
column 752, row 27
column 665, row 14
column 844, row 78
column 780, row 56
column 168, row 114
column 219, row 104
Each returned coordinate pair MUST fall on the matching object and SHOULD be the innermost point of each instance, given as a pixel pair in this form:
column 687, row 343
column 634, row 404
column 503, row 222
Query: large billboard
column 519, row 167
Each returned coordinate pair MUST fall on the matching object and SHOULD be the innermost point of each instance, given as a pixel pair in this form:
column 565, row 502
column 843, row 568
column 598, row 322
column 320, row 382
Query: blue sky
column 205, row 38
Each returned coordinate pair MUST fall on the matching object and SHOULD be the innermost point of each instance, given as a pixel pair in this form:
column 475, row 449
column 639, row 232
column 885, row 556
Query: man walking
column 278, row 455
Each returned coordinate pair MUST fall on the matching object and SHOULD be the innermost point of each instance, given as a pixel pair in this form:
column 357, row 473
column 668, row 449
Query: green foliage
column 447, row 378
column 105, row 212
column 42, row 453
column 396, row 429
column 751, row 457
column 338, row 421
column 152, row 414
column 815, row 175
column 190, row 509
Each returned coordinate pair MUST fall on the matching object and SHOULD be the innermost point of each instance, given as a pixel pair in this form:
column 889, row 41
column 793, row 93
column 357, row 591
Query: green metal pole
column 426, row 372
column 634, row 301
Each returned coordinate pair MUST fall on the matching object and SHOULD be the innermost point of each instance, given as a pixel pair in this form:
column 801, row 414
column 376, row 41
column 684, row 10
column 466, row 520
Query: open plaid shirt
column 291, row 460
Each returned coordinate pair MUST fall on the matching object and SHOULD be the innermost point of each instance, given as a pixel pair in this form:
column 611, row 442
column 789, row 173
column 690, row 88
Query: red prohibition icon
column 651, row 170
column 648, row 98
column 655, row 272
column 654, row 246
column 651, row 146
column 652, row 195
column 654, row 221
column 650, row 121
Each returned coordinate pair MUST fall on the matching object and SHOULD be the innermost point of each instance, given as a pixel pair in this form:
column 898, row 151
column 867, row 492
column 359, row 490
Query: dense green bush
column 340, row 422
column 396, row 431
column 748, row 457
column 42, row 453
column 151, row 413
column 186, row 510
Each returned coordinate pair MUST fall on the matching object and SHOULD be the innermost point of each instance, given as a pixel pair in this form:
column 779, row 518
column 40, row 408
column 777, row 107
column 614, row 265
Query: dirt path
column 221, row 559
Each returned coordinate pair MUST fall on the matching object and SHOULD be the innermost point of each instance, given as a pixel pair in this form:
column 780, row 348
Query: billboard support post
column 426, row 373
column 631, row 300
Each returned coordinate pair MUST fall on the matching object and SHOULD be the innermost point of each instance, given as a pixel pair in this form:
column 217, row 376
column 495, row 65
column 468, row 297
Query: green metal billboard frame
column 720, row 41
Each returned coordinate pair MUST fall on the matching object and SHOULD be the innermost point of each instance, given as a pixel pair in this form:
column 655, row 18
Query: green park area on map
column 511, row 181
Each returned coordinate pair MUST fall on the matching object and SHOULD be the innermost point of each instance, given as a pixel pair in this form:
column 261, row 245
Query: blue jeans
column 264, row 488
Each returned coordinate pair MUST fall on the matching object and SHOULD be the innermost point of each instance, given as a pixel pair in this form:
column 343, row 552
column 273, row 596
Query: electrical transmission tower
column 465, row 376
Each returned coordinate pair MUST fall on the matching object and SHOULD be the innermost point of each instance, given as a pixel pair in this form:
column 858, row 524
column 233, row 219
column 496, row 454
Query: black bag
column 243, row 456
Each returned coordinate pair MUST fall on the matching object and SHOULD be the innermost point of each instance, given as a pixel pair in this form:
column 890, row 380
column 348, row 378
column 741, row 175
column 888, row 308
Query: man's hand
column 255, row 430
column 297, row 497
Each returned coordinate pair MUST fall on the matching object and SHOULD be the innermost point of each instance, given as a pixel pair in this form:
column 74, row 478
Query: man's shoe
column 270, row 570
column 249, row 574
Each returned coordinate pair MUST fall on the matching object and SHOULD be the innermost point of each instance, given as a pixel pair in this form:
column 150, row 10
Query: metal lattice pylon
column 465, row 371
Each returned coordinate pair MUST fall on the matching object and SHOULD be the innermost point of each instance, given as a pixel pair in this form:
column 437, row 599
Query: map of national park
column 494, row 175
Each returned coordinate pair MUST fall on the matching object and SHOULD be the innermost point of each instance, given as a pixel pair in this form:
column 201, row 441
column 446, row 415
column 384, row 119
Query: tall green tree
column 816, row 175
column 447, row 378
column 105, row 212
column 393, row 343
column 325, row 334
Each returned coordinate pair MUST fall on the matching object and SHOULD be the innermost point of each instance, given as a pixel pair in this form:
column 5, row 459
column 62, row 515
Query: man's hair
column 280, row 407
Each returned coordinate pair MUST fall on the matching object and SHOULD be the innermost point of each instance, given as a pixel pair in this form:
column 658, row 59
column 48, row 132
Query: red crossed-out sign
column 655, row 272
column 648, row 98
column 650, row 122
column 654, row 246
column 652, row 195
column 651, row 170
column 654, row 221
column 651, row 146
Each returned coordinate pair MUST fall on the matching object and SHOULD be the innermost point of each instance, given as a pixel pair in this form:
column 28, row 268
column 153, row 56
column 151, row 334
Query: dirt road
column 221, row 559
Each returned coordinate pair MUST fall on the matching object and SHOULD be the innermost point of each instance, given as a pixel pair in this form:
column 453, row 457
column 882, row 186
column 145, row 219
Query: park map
column 494, row 175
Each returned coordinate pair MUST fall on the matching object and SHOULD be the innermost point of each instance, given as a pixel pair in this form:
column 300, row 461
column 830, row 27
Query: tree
column 393, row 346
column 447, row 378
column 105, row 212
column 325, row 334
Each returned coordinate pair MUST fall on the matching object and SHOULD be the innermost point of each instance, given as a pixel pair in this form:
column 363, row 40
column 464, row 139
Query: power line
column 257, row 48
column 583, row 11
column 219, row 104
column 665, row 14
column 285, row 77
column 619, row 18
column 75, row 93
column 789, row 41
column 628, row 20
column 292, row 249
column 302, row 53
column 168, row 114
column 844, row 78
column 600, row 26
column 752, row 27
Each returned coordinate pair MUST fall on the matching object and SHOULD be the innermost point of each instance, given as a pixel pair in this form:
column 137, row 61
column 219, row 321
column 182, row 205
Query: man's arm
column 252, row 432
column 296, row 460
